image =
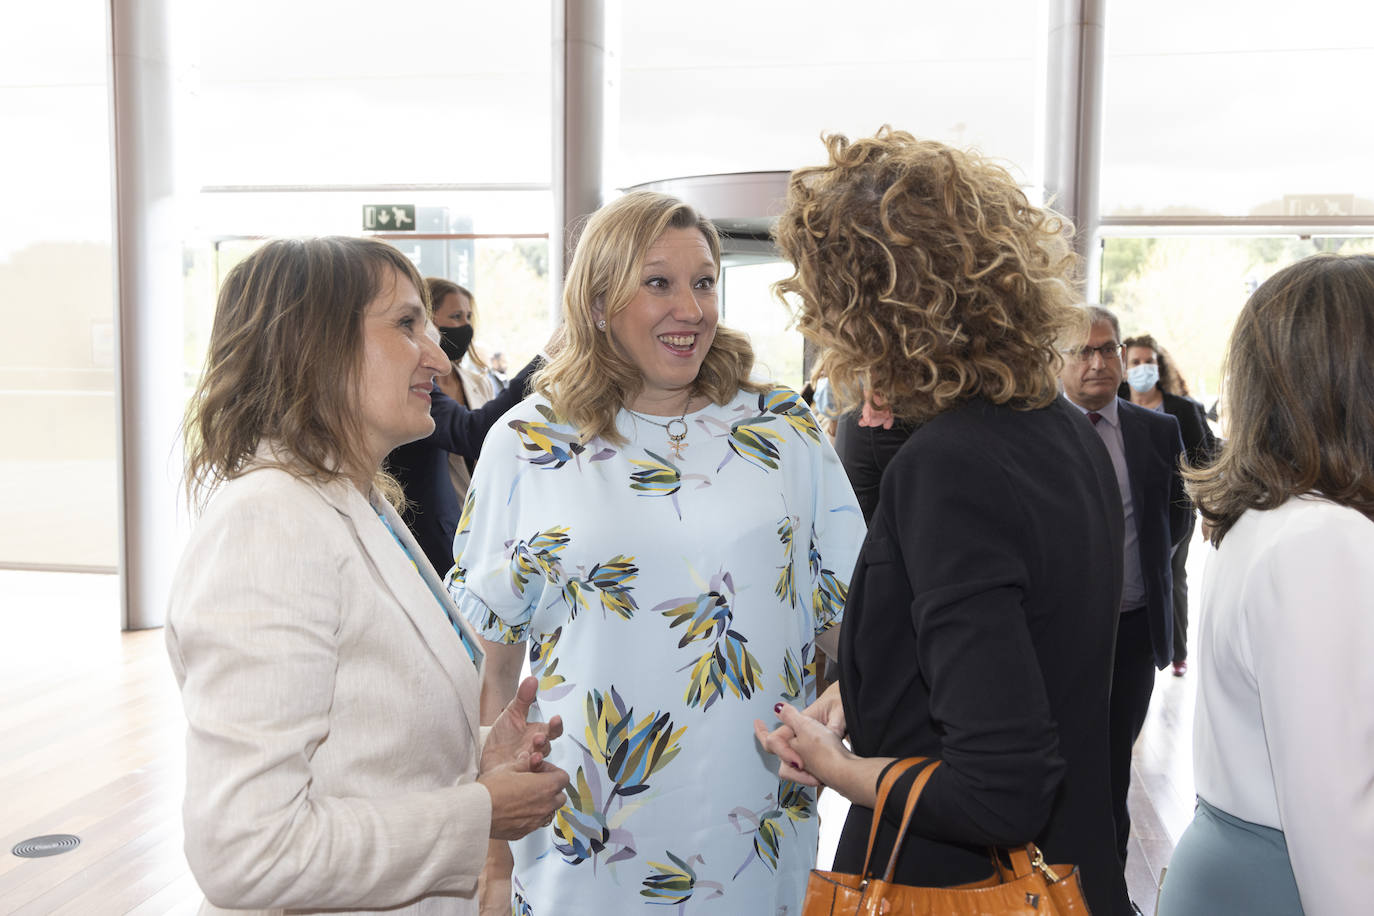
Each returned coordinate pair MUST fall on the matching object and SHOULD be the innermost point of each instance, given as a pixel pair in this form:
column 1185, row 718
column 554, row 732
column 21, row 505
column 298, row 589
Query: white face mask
column 1143, row 377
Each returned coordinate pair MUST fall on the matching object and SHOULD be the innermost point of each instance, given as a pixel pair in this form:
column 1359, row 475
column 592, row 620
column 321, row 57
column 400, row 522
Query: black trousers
column 1180, row 567
column 1133, row 680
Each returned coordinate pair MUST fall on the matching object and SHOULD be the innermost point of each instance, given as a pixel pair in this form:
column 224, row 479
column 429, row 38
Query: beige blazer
column 332, row 712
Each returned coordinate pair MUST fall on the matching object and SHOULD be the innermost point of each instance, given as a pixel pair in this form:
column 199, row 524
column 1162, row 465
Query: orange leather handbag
column 1023, row 885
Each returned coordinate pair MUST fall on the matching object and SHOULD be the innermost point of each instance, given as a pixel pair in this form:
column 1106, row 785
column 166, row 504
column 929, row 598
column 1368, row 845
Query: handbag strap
column 1023, row 859
column 885, row 787
column 1020, row 860
column 912, row 797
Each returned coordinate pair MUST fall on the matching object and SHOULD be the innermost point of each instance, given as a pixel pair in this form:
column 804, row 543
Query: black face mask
column 456, row 341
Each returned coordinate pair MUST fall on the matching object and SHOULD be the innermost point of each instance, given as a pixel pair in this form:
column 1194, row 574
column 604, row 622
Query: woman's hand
column 829, row 710
column 525, row 788
column 807, row 748
column 875, row 412
column 514, row 739
column 523, row 800
column 814, row 755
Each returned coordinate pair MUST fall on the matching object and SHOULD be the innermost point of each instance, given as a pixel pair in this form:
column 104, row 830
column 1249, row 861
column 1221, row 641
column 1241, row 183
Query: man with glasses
column 1145, row 447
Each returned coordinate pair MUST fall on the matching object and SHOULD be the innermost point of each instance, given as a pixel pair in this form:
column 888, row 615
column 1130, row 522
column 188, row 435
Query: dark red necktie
column 1095, row 417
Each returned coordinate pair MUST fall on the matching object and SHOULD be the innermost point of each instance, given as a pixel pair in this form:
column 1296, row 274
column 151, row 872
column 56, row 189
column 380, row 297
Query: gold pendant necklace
column 676, row 427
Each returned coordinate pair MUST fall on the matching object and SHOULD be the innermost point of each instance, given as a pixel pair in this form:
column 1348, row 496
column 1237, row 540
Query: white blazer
column 332, row 712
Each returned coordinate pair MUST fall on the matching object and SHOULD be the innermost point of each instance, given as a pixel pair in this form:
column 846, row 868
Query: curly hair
column 1297, row 379
column 1170, row 379
column 926, row 277
column 285, row 362
column 589, row 380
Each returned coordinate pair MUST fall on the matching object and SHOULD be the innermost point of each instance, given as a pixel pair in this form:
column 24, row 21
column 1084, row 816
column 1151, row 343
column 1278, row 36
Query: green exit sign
column 389, row 218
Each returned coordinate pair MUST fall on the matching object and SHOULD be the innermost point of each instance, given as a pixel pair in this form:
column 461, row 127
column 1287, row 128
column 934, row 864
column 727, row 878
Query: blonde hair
column 588, row 381
column 285, row 363
column 439, row 290
column 926, row 277
column 1298, row 379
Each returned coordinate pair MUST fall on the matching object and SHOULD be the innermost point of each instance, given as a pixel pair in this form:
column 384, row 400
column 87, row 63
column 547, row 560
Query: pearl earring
column 601, row 325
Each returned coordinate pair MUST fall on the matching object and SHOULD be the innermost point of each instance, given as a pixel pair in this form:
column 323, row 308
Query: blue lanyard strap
column 474, row 652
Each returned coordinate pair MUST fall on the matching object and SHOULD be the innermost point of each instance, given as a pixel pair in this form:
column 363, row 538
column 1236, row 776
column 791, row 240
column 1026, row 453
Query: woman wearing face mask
column 434, row 471
column 469, row 383
column 1154, row 383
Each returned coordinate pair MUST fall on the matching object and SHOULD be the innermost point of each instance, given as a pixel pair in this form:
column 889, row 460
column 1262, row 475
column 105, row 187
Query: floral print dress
column 666, row 602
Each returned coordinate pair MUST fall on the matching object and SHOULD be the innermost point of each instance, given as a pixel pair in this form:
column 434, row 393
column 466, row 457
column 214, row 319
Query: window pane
column 231, row 225
column 750, row 306
column 57, row 406
column 1187, row 292
column 1215, row 109
column 349, row 92
column 736, row 87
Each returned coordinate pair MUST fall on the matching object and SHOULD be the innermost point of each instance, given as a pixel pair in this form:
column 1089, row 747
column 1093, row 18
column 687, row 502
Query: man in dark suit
column 1145, row 446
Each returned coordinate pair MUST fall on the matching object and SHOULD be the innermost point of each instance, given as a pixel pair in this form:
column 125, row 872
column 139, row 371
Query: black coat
column 980, row 629
column 1199, row 442
column 1162, row 512
column 421, row 467
column 865, row 452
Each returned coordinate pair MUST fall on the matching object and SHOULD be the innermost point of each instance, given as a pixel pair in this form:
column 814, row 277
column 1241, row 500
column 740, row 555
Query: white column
column 148, row 303
column 1073, row 134
column 579, row 78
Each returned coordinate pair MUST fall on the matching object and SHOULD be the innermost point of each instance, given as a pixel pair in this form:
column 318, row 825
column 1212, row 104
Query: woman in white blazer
column 334, row 758
column 1283, row 739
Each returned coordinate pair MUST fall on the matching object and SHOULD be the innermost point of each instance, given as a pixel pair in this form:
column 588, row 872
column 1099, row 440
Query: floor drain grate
column 50, row 845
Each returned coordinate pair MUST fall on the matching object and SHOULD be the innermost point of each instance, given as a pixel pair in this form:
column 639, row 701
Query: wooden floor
column 91, row 744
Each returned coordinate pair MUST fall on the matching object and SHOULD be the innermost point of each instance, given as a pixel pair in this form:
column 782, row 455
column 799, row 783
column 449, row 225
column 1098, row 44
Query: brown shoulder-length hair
column 926, row 277
column 1297, row 383
column 1170, row 379
column 440, row 289
column 284, row 363
column 589, row 380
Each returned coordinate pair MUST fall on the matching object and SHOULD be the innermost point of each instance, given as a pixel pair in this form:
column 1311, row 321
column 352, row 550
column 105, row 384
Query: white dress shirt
column 1284, row 734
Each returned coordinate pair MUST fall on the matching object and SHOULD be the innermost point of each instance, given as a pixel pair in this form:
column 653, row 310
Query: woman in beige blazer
column 334, row 758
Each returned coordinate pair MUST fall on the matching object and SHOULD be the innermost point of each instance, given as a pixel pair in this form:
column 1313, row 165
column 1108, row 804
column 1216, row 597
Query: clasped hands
column 525, row 788
column 809, row 743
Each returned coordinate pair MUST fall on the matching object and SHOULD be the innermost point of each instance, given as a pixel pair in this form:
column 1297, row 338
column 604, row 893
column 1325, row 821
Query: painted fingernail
column 777, row 710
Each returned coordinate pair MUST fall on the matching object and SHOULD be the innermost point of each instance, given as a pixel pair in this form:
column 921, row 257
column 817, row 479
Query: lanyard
column 474, row 652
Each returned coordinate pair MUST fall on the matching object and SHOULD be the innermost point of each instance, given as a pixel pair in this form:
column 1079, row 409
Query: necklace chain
column 677, row 441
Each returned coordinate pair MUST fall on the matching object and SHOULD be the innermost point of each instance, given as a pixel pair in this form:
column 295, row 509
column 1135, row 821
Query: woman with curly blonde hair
column 980, row 623
column 668, row 543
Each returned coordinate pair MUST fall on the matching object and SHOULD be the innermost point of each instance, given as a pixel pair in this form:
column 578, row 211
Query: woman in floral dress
column 667, row 542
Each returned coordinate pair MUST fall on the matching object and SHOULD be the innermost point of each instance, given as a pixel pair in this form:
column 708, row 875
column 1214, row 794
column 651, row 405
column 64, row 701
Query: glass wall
column 1186, row 291
column 58, row 504
column 742, row 87
column 308, row 112
column 338, row 112
column 330, row 92
column 1256, row 109
column 748, row 305
column 723, row 86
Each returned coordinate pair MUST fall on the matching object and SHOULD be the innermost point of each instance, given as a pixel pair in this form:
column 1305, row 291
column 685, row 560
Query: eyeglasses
column 1109, row 350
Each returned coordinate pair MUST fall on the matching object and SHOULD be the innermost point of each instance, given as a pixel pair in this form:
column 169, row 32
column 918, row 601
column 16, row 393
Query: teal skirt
column 1224, row 865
